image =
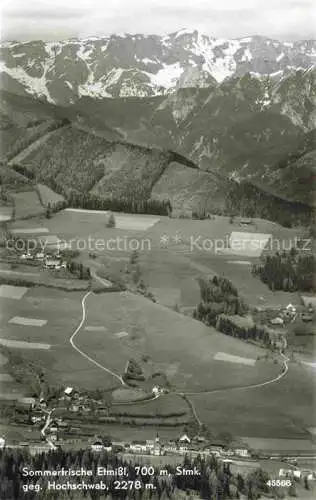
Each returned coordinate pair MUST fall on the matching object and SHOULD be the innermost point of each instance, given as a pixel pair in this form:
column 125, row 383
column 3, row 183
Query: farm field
column 166, row 337
column 81, row 223
column 62, row 311
column 250, row 287
column 119, row 327
column 171, row 270
column 27, row 204
column 280, row 445
column 153, row 331
column 165, row 406
column 179, row 347
column 280, row 410
column 170, row 262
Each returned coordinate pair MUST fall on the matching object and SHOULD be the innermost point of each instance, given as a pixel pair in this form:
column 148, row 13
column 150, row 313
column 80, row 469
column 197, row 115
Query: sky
column 60, row 19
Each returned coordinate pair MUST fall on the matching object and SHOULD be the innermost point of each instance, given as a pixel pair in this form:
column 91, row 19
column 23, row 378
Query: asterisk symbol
column 164, row 240
column 177, row 239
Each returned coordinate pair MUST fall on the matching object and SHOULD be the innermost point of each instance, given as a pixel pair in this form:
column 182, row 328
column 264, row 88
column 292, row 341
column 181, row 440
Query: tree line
column 222, row 308
column 218, row 296
column 288, row 271
column 248, row 200
column 91, row 201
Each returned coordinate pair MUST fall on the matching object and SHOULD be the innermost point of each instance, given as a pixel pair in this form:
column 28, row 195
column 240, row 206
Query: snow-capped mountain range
column 143, row 65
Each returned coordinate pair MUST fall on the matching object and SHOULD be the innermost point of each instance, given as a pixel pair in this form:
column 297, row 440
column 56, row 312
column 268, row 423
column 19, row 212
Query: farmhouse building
column 184, row 439
column 245, row 221
column 101, row 444
column 241, row 452
column 291, row 309
column 183, row 448
column 290, row 473
column 138, row 446
column 97, row 445
column 156, row 390
column 52, row 263
column 170, row 447
column 68, row 391
column 36, row 449
column 277, row 321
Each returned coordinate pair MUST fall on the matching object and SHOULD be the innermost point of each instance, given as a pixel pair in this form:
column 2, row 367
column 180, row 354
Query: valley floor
column 115, row 327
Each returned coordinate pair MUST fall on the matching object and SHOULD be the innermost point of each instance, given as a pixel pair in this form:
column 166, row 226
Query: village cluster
column 183, row 445
column 73, row 403
column 290, row 313
column 48, row 260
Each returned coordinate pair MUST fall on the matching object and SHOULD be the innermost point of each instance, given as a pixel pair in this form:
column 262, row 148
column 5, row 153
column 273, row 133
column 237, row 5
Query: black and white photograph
column 157, row 249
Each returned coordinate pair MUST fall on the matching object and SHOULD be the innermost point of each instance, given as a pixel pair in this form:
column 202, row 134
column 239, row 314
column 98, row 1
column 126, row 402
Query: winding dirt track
column 93, row 361
column 285, row 369
column 182, row 394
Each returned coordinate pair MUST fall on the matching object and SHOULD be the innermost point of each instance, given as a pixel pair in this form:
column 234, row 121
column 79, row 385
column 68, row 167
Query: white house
column 277, row 321
column 156, row 390
column 53, row 426
column 35, row 420
column 297, row 473
column 138, row 447
column 286, row 472
column 170, row 447
column 97, row 445
column 241, row 452
column 68, row 391
column 150, row 443
column 291, row 308
column 184, row 439
column 245, row 221
column 52, row 263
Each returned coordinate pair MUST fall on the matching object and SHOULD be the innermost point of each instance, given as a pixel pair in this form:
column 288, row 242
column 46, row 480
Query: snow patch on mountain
column 114, row 76
column 115, row 65
column 247, row 39
column 33, row 85
column 93, row 89
column 146, row 60
column 232, row 48
column 167, row 76
column 247, row 56
column 84, row 52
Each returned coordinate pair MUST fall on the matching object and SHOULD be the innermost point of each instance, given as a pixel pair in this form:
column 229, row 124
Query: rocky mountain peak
column 125, row 65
